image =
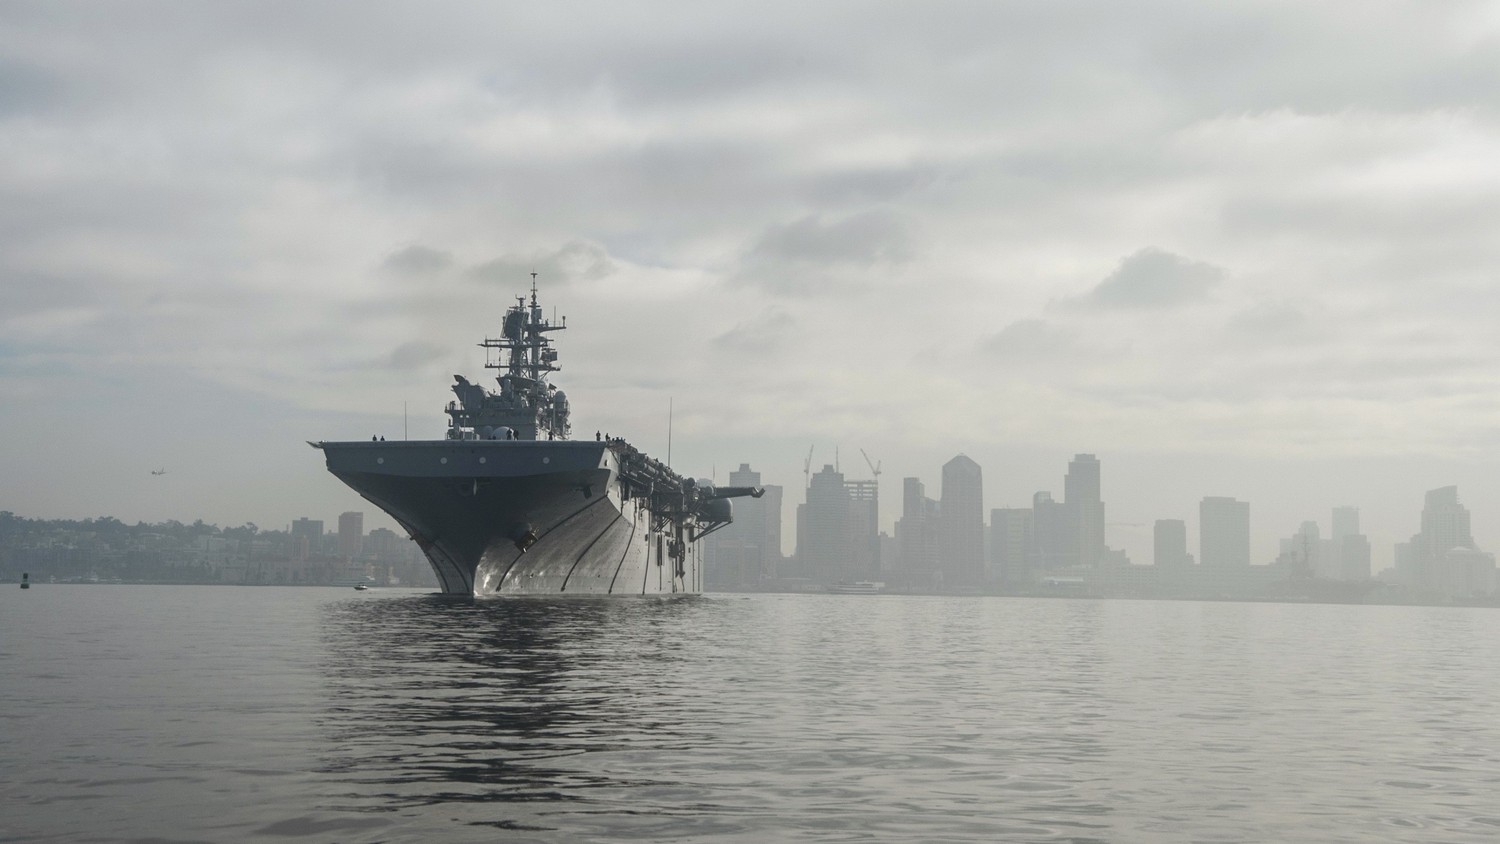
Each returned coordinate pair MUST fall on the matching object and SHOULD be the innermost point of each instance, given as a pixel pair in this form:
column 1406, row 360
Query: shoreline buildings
column 745, row 555
column 1442, row 558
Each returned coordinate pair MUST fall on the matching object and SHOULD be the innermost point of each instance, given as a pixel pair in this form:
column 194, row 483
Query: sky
column 1242, row 249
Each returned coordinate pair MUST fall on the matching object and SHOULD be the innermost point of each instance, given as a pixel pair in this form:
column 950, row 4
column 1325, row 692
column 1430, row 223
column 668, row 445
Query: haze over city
column 1236, row 250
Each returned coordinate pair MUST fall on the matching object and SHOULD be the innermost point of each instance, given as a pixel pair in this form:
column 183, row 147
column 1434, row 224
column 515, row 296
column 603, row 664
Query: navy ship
column 507, row 504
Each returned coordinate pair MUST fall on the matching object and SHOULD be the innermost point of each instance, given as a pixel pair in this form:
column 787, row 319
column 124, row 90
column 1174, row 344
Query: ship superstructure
column 507, row 504
column 527, row 407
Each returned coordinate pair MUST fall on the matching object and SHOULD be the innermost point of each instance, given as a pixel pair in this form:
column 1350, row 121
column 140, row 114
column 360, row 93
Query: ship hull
column 522, row 517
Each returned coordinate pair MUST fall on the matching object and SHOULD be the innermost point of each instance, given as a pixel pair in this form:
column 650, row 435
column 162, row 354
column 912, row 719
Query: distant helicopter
column 161, row 471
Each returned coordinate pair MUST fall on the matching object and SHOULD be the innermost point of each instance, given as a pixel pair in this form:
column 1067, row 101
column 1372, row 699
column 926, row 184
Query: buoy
column 25, row 580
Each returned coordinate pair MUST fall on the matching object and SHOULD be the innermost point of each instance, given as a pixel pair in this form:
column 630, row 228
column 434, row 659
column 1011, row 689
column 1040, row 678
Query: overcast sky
column 1242, row 249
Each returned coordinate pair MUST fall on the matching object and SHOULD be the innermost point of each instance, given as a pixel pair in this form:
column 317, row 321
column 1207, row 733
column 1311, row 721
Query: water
column 174, row 714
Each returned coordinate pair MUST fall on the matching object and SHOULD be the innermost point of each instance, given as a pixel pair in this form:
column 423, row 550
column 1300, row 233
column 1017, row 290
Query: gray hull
column 472, row 506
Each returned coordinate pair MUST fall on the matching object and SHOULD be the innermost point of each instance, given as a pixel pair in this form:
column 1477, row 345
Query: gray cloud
column 758, row 335
column 573, row 261
column 27, row 89
column 1151, row 278
column 870, row 185
column 417, row 260
column 1279, row 322
column 809, row 254
column 1031, row 339
column 414, row 355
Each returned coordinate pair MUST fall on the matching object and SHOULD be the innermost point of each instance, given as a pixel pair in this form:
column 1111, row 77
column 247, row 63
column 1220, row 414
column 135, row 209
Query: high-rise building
column 1054, row 531
column 825, row 543
column 961, row 534
column 1081, row 494
column 1425, row 562
column 1223, row 532
column 1354, row 557
column 1169, row 549
column 1349, row 556
column 307, row 538
column 744, row 553
column 384, row 542
column 1345, row 522
column 771, row 556
column 1445, row 523
column 864, row 527
column 351, row 534
column 1010, row 545
column 1306, row 553
column 916, row 536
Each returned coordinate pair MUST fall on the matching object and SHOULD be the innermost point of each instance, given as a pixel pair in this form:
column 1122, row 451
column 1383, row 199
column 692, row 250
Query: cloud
column 413, row 355
column 809, row 254
column 758, row 335
column 871, row 184
column 1031, row 339
column 1270, row 318
column 417, row 260
column 1151, row 278
column 573, row 261
column 27, row 89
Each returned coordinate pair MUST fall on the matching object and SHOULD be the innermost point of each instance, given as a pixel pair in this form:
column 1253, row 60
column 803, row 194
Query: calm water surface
column 135, row 713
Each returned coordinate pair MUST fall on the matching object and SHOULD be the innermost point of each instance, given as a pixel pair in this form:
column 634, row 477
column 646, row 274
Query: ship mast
column 526, row 407
column 526, row 351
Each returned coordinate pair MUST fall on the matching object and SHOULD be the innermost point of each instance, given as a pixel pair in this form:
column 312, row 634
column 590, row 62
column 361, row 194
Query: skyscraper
column 1445, row 523
column 864, row 527
column 771, row 557
column 744, row 553
column 1445, row 526
column 1170, row 544
column 1054, row 532
column 916, row 535
column 825, row 543
column 307, row 538
column 1223, row 532
column 1345, row 522
column 1354, row 558
column 1351, row 549
column 1010, row 545
column 1081, row 495
column 961, row 534
column 351, row 534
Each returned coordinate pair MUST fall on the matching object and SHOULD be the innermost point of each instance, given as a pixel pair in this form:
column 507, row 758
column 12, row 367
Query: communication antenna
column 404, row 430
column 669, row 432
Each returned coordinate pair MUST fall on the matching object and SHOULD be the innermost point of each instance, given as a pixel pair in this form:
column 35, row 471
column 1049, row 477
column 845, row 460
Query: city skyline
column 1132, row 533
column 949, row 546
column 932, row 549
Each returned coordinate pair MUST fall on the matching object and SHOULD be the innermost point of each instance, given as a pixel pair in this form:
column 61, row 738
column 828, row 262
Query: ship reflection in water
column 465, row 703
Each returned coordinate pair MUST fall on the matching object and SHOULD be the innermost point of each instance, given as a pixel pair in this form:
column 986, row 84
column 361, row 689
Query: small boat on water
column 859, row 587
column 360, row 587
column 25, row 580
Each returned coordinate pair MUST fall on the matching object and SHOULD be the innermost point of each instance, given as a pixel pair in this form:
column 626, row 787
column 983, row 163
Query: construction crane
column 807, row 470
column 874, row 467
